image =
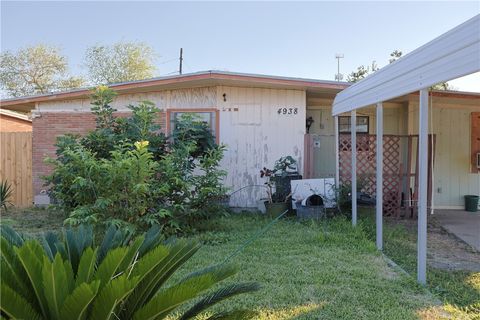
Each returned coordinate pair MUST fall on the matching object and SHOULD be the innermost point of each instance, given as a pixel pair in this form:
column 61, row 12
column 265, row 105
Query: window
column 209, row 117
column 344, row 124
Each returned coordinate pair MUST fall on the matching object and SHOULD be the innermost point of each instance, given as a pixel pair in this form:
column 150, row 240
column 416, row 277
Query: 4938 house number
column 286, row 111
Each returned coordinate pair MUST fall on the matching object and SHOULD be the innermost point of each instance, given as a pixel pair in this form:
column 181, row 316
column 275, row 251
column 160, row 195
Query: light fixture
column 309, row 123
column 225, row 97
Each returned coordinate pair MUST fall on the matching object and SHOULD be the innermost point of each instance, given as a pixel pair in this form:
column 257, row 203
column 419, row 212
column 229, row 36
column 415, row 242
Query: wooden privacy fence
column 16, row 166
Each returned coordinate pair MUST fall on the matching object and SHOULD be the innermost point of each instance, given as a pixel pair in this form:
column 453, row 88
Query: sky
column 296, row 39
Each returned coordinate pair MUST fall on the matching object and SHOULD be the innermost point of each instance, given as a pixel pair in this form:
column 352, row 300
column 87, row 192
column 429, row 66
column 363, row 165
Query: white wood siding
column 204, row 97
column 256, row 135
column 452, row 127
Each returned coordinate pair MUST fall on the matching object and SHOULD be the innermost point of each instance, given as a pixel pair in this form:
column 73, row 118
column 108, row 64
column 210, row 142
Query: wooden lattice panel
column 366, row 167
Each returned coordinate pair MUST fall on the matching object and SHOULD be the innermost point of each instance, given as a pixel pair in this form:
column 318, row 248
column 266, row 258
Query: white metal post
column 354, row 166
column 337, row 155
column 379, row 206
column 422, row 188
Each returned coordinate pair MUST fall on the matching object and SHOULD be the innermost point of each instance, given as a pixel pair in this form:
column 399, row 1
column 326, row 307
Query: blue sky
column 296, row 39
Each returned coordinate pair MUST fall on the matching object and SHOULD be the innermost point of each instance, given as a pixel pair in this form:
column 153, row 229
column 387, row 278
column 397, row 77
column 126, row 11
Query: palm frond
column 169, row 299
column 11, row 235
column 218, row 296
column 55, row 284
column 30, row 255
column 15, row 306
column 110, row 297
column 6, row 193
column 86, row 267
column 77, row 303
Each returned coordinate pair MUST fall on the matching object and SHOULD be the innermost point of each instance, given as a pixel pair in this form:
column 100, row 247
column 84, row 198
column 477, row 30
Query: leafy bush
column 126, row 173
column 122, row 284
column 188, row 187
column 112, row 190
column 191, row 128
column 111, row 130
column 5, row 194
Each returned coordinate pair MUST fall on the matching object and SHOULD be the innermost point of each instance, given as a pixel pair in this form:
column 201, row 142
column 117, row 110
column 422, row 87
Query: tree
column 395, row 55
column 36, row 69
column 120, row 62
column 363, row 72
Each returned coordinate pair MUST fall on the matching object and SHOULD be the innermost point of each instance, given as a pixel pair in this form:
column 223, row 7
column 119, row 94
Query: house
column 261, row 118
column 11, row 121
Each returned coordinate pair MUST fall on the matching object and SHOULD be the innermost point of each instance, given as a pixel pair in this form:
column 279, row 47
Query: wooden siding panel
column 256, row 135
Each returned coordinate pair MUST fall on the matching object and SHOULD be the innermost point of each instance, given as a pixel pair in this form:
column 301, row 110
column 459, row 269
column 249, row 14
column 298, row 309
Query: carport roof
column 452, row 55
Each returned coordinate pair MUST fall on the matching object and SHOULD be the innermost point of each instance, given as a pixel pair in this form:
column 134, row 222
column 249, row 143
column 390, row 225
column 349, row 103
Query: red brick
column 49, row 126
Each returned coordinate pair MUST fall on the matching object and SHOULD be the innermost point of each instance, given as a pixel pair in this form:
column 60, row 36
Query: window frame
column 350, row 124
column 170, row 112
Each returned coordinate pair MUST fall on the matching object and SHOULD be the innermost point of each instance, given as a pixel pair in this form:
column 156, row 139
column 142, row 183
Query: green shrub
column 190, row 128
column 188, row 187
column 126, row 173
column 114, row 190
column 122, row 285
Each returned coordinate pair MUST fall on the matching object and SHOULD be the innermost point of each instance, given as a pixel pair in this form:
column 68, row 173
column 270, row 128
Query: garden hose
column 255, row 237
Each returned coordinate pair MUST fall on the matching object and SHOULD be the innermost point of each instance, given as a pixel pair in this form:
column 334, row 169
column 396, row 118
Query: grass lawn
column 309, row 272
column 314, row 271
column 458, row 290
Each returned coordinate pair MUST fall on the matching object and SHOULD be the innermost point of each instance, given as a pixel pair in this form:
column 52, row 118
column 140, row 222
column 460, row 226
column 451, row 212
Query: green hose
column 255, row 237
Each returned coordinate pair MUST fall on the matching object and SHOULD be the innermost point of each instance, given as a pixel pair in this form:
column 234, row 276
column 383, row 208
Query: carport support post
column 354, row 165
column 337, row 155
column 379, row 205
column 422, row 189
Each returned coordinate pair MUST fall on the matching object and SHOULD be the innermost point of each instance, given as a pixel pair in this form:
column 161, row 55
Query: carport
column 454, row 54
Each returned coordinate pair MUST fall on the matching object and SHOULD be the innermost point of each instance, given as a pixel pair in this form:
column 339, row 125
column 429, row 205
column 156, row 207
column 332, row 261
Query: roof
column 197, row 79
column 15, row 115
column 454, row 54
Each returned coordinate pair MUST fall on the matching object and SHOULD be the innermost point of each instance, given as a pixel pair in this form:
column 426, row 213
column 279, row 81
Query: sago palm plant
column 5, row 194
column 72, row 278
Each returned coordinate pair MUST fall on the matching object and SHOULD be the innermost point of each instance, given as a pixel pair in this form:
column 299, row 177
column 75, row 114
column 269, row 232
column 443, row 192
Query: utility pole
column 338, row 76
column 181, row 61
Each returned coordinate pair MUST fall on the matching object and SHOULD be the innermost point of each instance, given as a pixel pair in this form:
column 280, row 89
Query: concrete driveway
column 465, row 225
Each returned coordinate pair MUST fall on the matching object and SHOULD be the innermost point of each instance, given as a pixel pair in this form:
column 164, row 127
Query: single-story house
column 262, row 118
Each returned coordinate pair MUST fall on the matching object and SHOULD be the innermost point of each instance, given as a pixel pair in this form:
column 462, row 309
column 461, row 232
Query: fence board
column 16, row 166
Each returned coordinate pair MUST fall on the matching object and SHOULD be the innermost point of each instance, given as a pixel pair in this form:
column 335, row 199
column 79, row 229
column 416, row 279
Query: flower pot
column 275, row 209
column 471, row 203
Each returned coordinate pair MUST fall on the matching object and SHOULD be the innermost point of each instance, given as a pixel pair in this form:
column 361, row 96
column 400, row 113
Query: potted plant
column 284, row 171
column 274, row 205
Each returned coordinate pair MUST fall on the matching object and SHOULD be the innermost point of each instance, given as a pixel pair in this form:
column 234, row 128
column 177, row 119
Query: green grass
column 311, row 271
column 32, row 221
column 458, row 290
column 315, row 271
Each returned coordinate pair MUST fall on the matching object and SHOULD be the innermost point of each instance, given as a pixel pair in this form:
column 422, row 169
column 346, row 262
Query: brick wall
column 11, row 124
column 48, row 126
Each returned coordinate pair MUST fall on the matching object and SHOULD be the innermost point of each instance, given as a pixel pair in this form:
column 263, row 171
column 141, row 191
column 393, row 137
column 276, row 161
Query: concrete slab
column 465, row 225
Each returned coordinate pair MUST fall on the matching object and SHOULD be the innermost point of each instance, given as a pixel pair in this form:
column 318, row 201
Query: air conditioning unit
column 478, row 160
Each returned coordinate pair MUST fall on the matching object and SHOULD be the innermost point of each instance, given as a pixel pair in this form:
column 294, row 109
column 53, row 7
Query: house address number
column 286, row 111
